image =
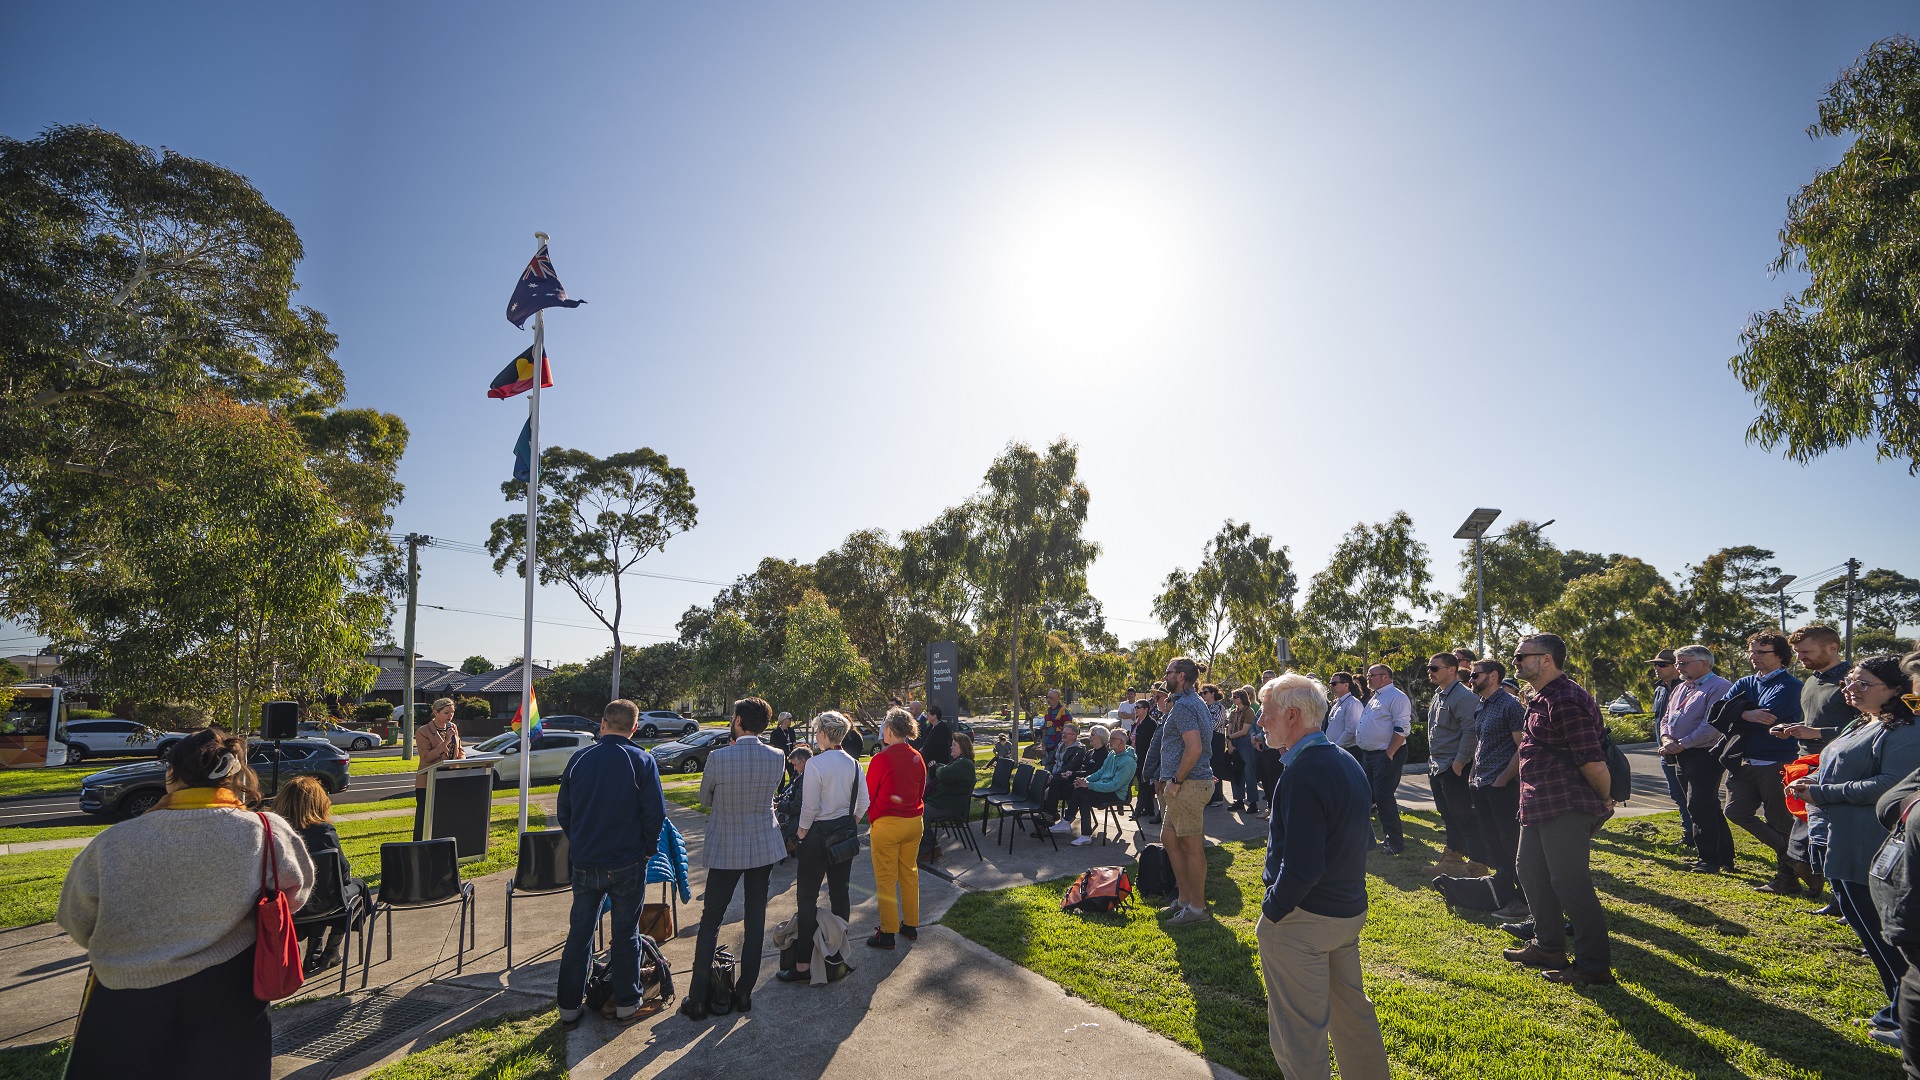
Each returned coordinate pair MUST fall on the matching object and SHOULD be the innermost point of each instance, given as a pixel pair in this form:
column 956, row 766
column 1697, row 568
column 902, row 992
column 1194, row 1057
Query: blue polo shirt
column 1319, row 834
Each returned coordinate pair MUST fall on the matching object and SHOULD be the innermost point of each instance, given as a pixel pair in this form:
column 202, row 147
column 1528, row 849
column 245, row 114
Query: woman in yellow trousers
column 896, row 790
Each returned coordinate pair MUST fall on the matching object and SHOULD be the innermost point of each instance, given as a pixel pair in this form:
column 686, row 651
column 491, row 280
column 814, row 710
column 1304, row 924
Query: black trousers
column 720, row 885
column 1498, row 809
column 1753, row 790
column 1909, row 1012
column 208, row 1024
column 1085, row 799
column 1700, row 781
column 1454, row 799
column 1383, row 772
column 419, row 814
column 1059, row 790
column 1555, row 870
column 812, row 870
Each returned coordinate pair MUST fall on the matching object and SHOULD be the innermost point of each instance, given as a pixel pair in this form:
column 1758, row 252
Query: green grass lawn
column 30, row 885
column 1715, row 979
column 54, row 781
column 520, row 1046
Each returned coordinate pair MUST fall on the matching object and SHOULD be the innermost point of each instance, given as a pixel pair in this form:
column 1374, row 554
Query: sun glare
column 1098, row 265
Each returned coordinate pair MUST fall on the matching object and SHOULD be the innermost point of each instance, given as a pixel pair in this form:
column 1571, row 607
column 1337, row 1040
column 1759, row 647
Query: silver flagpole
column 533, row 542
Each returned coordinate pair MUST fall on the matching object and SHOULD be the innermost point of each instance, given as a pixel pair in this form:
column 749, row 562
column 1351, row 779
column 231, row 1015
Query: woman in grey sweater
column 1869, row 756
column 164, row 905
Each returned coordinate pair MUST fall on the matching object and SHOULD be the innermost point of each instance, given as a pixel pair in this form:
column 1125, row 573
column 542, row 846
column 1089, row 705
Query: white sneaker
column 1188, row 916
column 1082, row 841
column 1061, row 826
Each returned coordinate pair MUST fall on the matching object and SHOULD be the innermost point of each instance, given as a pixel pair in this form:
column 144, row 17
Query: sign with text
column 943, row 677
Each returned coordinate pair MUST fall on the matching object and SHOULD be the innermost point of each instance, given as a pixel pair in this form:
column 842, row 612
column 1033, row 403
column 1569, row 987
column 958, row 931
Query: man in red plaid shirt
column 1564, row 799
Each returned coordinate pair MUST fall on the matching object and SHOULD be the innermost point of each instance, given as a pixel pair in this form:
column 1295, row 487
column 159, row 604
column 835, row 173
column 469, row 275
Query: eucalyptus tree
column 1242, row 590
column 1839, row 362
column 599, row 517
column 1378, row 574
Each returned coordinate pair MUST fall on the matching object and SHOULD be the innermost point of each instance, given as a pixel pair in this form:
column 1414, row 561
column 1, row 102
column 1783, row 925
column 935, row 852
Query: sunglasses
column 1434, row 667
column 1519, row 656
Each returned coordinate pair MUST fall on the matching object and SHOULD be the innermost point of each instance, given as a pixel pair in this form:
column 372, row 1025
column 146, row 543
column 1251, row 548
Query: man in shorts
column 1179, row 768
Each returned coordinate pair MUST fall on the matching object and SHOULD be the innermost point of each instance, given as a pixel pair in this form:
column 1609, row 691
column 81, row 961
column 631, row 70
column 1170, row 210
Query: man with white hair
column 1686, row 739
column 1316, row 895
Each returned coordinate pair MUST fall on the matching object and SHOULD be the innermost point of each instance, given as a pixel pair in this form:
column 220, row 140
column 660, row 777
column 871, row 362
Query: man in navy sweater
column 611, row 808
column 1316, row 901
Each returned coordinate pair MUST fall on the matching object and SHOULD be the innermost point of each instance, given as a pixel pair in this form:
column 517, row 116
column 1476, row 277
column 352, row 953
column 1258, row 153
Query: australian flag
column 538, row 289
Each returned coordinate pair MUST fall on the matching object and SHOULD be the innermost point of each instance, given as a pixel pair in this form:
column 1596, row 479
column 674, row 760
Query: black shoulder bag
column 843, row 843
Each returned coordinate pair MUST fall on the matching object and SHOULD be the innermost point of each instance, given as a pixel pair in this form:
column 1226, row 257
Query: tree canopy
column 1242, row 591
column 1839, row 362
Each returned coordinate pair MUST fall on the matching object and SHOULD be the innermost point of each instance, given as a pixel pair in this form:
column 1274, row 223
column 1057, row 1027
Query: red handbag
column 276, row 951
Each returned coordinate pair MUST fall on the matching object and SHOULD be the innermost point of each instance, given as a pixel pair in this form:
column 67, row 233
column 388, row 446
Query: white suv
column 344, row 738
column 655, row 723
column 109, row 738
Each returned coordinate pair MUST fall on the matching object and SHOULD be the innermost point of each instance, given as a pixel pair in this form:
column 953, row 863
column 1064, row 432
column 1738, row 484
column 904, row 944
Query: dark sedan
column 131, row 790
column 689, row 754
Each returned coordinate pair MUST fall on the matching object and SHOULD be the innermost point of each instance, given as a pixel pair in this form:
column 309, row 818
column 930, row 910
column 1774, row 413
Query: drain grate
column 361, row 1026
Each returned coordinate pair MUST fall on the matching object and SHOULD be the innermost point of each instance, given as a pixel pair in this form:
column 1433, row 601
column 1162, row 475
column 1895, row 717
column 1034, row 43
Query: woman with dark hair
column 1877, row 750
column 1245, row 779
column 1220, row 752
column 164, row 905
column 305, row 806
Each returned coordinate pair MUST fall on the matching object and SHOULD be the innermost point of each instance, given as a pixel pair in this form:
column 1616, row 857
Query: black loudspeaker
column 280, row 720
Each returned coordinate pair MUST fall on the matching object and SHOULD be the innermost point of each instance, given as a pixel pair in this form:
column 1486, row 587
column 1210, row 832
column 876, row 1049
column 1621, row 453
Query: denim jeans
column 625, row 886
column 1678, row 793
column 1246, row 786
column 1383, row 771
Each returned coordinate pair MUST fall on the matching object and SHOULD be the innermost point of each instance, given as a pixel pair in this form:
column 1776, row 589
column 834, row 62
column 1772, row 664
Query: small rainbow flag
column 533, row 701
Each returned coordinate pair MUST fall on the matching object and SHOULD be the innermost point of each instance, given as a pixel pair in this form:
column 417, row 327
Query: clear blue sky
column 1296, row 268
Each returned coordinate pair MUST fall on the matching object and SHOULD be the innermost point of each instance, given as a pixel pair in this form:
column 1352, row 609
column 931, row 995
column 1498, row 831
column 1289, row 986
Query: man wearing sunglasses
column 1565, row 797
column 1665, row 672
column 1451, row 735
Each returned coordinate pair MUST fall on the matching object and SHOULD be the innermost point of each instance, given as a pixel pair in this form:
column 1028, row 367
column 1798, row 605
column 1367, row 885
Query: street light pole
column 1779, row 588
column 1475, row 529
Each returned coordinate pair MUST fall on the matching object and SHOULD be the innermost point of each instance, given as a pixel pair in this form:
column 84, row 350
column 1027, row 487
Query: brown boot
column 1532, row 955
column 1815, row 883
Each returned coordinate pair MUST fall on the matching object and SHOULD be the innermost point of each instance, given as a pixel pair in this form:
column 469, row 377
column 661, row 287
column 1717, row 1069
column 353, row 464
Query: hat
column 1664, row 656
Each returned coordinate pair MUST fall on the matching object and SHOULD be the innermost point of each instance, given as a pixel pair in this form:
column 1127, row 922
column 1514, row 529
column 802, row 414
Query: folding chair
column 422, row 874
column 1000, row 784
column 1030, row 809
column 335, row 903
column 1016, row 792
column 958, row 831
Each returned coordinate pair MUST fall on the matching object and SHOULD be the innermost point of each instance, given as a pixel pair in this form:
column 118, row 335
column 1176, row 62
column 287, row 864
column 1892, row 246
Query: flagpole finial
column 540, row 236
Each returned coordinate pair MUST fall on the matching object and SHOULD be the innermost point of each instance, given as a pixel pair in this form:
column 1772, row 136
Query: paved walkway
column 932, row 995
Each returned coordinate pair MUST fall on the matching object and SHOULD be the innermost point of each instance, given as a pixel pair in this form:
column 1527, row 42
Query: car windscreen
column 28, row 716
column 507, row 742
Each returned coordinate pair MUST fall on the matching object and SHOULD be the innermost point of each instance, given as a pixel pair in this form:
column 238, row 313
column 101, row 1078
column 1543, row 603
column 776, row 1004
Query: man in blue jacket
column 611, row 808
column 1318, row 834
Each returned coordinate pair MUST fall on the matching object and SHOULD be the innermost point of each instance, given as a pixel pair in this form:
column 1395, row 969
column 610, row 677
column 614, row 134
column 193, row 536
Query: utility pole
column 1853, row 570
column 414, row 540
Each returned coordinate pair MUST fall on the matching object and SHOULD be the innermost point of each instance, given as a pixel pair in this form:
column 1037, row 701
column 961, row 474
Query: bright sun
column 1098, row 264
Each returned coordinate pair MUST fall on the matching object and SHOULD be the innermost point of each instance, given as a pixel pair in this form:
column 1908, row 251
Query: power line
column 550, row 622
column 465, row 548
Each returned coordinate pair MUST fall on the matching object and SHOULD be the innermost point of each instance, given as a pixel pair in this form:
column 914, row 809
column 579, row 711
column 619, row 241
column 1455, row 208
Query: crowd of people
column 1819, row 769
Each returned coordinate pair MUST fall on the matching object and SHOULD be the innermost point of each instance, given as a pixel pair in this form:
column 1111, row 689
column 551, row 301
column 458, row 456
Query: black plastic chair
column 1030, row 809
column 960, row 832
column 334, row 905
column 1110, row 815
column 1016, row 792
column 1000, row 784
column 423, row 874
column 544, row 869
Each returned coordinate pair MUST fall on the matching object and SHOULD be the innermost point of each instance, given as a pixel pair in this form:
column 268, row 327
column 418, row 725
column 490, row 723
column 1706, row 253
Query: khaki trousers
column 1311, row 964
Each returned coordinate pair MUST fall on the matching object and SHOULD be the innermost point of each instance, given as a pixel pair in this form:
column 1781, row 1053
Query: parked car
column 109, row 738
column 550, row 752
column 657, row 722
column 131, row 790
column 344, row 738
column 569, row 722
column 688, row 753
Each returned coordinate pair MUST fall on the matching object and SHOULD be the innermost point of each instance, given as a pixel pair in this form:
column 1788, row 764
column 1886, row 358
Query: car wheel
column 361, row 744
column 648, row 731
column 691, row 765
column 76, row 754
column 140, row 802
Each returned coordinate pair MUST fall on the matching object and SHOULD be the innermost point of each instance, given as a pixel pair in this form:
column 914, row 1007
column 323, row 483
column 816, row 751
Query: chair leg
column 389, row 935
column 460, row 941
column 366, row 946
column 509, row 926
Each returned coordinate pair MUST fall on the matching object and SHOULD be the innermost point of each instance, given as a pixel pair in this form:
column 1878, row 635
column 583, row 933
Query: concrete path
column 930, row 995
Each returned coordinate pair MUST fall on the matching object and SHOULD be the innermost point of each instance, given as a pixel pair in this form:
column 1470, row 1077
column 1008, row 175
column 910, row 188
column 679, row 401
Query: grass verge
column 30, row 885
column 55, row 781
column 520, row 1046
column 42, row 1061
column 1715, row 980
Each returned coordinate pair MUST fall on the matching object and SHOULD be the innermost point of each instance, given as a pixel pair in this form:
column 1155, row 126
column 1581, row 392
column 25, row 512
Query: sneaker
column 1391, row 848
column 1703, row 867
column 1082, row 841
column 1515, row 911
column 880, row 940
column 1885, row 1036
column 1171, row 910
column 1188, row 916
column 1061, row 826
column 569, row 1019
column 911, row 933
column 1519, row 931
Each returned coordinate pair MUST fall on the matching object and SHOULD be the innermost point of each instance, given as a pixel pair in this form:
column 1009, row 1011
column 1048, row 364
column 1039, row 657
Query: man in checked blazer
column 743, row 842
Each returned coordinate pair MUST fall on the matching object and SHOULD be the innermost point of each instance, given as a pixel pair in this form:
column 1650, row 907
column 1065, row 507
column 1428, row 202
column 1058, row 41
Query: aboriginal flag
column 517, row 376
column 538, row 288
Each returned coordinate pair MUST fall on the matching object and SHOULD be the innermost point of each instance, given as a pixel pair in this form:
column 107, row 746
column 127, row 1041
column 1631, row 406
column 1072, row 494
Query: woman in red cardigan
column 896, row 786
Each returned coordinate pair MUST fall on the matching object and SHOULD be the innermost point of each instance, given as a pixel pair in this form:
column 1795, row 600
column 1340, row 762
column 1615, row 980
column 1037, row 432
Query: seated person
column 949, row 793
column 1074, row 761
column 305, row 806
column 1106, row 786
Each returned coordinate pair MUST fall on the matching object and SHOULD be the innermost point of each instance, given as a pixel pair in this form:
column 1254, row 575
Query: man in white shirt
column 1343, row 716
column 1385, row 724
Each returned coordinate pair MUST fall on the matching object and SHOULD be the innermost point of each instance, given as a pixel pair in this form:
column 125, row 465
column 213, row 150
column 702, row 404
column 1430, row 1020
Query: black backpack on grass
column 1156, row 873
